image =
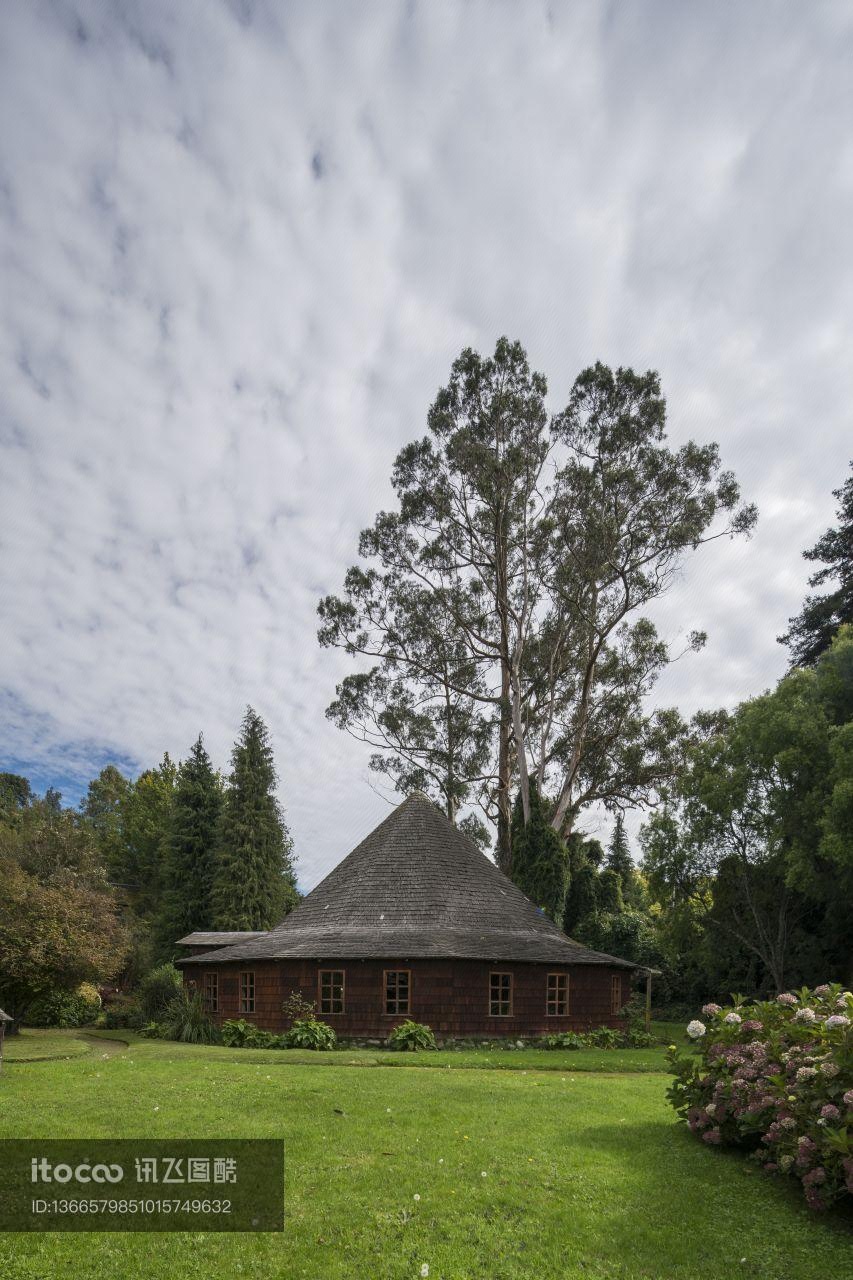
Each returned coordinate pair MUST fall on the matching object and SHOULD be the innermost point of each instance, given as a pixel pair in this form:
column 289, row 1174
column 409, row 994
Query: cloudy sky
column 242, row 243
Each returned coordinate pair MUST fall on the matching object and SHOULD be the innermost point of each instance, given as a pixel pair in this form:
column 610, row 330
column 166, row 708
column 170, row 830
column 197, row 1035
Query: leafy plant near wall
column 411, row 1036
column 237, row 1033
column 776, row 1077
column 186, row 1019
column 310, row 1033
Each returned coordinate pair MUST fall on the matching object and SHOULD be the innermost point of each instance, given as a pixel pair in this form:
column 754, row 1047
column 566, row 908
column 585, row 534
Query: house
column 415, row 923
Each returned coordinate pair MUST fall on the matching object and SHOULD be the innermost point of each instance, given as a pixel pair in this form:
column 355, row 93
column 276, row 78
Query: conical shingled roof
column 415, row 887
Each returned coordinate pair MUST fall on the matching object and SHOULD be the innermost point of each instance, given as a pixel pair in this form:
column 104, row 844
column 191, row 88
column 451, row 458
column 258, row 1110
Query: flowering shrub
column 776, row 1077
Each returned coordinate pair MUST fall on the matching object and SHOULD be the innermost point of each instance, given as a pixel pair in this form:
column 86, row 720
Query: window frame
column 332, row 974
column 397, row 1012
column 501, row 973
column 247, row 986
column 555, row 998
column 615, row 994
column 210, row 992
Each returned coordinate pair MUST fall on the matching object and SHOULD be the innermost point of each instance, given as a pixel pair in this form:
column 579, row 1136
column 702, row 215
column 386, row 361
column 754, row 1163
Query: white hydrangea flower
column 805, row 1015
column 696, row 1029
column 733, row 1019
column 837, row 1020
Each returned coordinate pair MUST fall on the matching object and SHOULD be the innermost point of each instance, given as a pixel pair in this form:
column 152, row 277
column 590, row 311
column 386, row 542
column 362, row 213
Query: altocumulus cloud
column 241, row 245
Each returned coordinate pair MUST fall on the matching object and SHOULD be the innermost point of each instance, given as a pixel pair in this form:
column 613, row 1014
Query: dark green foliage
column 254, row 880
column 627, row 933
column 102, row 809
column 310, row 1033
column 158, row 989
column 411, row 1036
column 582, row 897
column 15, row 794
column 190, row 858
column 146, row 824
column 619, row 858
column 237, row 1033
column 187, row 1020
column 811, row 632
column 65, row 1008
column 610, row 891
column 540, row 859
column 754, row 873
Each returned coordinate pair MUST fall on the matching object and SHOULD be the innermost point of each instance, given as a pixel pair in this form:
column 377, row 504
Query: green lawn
column 585, row 1175
column 31, row 1045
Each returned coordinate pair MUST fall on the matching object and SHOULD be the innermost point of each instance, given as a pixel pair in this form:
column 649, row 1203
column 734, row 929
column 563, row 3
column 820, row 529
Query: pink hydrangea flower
column 836, row 1020
column 830, row 1112
column 712, row 1136
column 787, row 998
column 709, row 1010
column 823, row 990
column 848, row 1098
column 752, row 1025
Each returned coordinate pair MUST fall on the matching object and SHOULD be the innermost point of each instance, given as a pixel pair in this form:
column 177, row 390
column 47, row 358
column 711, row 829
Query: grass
column 34, row 1045
column 586, row 1175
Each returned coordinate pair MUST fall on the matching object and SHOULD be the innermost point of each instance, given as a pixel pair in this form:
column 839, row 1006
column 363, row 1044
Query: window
column 557, row 995
column 615, row 994
column 247, row 993
column 397, row 986
column 211, row 992
column 331, row 991
column 500, row 995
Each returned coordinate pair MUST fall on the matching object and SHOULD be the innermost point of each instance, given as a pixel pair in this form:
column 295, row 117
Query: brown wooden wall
column 451, row 996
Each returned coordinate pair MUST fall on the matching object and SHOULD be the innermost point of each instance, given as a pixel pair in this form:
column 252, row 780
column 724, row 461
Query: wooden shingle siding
column 451, row 996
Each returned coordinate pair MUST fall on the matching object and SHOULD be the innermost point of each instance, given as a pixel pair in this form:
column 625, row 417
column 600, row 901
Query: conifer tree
column 254, row 881
column 619, row 857
column 810, row 633
column 540, row 859
column 189, row 870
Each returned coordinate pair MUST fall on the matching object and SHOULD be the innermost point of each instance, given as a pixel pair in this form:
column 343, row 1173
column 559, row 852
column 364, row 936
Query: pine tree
column 619, row 858
column 254, row 881
column 811, row 632
column 540, row 860
column 189, row 862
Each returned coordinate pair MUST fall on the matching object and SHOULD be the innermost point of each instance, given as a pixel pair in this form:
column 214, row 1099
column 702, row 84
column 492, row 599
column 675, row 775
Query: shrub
column 776, row 1077
column 157, row 990
column 237, row 1033
column 604, row 1038
column 122, row 1011
column 641, row 1039
column 297, row 1009
column 186, row 1019
column 65, row 1008
column 310, row 1033
column 151, row 1031
column 564, row 1040
column 411, row 1036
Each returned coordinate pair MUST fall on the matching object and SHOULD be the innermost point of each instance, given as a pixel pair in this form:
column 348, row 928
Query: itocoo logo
column 43, row 1171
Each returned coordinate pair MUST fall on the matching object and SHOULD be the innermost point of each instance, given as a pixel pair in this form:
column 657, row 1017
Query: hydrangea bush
column 776, row 1077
